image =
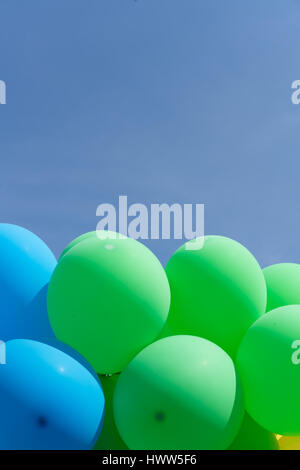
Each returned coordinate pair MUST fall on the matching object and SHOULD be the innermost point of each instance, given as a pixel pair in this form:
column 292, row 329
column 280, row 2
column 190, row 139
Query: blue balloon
column 48, row 401
column 26, row 266
column 57, row 344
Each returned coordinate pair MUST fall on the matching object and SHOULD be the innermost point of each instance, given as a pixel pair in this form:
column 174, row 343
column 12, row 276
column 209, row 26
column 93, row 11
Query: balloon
column 102, row 234
column 217, row 291
column 252, row 436
column 181, row 392
column 74, row 354
column 269, row 364
column 289, row 443
column 110, row 438
column 108, row 298
column 25, row 270
column 283, row 285
column 47, row 400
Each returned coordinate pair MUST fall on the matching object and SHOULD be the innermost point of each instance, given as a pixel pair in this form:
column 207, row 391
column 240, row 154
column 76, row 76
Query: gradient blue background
column 163, row 100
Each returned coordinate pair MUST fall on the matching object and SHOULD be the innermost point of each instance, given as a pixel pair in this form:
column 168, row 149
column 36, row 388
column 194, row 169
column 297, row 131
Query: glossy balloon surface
column 252, row 436
column 26, row 265
column 109, row 438
column 217, row 291
column 108, row 298
column 181, row 392
column 283, row 285
column 47, row 399
column 268, row 361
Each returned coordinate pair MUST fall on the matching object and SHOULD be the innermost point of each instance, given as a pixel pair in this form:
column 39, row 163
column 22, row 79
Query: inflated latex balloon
column 252, row 436
column 217, row 291
column 74, row 354
column 47, row 399
column 181, row 392
column 109, row 438
column 26, row 265
column 289, row 443
column 108, row 298
column 100, row 233
column 269, row 364
column 283, row 285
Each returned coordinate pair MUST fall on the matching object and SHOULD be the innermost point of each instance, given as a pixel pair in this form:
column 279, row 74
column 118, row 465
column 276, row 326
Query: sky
column 175, row 101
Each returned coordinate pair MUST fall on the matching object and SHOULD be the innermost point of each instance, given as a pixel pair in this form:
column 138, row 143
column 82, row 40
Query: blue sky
column 183, row 101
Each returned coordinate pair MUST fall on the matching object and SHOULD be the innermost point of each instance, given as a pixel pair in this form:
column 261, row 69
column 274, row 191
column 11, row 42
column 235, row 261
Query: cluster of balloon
column 187, row 357
column 49, row 396
column 109, row 298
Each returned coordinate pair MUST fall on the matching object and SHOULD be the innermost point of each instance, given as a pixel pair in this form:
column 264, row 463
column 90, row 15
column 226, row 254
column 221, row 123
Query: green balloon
column 269, row 364
column 181, row 392
column 108, row 298
column 109, row 438
column 252, row 436
column 283, row 285
column 217, row 291
column 82, row 238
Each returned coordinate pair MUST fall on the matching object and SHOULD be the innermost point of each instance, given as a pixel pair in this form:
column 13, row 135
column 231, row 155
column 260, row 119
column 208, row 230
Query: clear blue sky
column 163, row 100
